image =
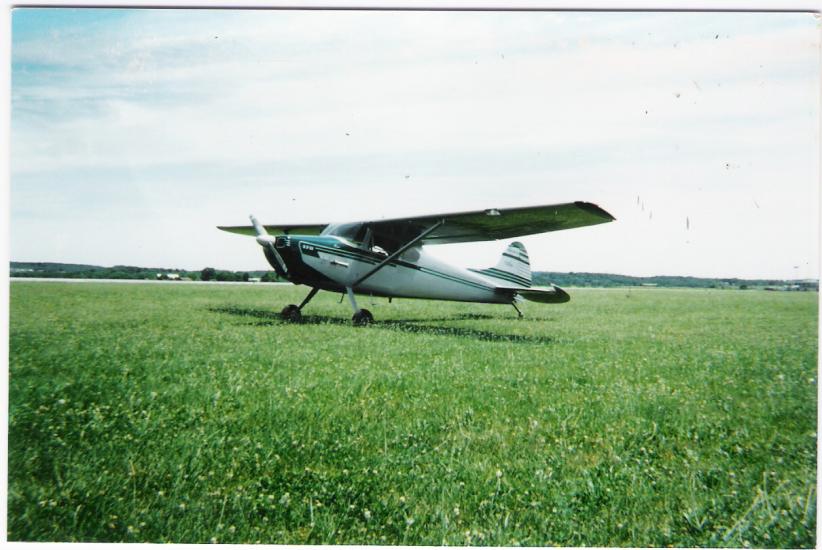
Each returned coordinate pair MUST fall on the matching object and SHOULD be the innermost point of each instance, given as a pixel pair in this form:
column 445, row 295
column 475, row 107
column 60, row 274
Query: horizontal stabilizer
column 553, row 295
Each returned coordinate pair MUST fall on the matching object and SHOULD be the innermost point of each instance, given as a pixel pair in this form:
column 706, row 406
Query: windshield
column 352, row 231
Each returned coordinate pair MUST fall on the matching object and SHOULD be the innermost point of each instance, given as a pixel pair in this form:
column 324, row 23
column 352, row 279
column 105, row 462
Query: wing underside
column 461, row 227
column 494, row 224
column 304, row 229
column 516, row 222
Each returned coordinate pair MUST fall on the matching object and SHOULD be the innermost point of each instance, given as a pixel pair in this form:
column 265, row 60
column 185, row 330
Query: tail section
column 512, row 269
column 512, row 274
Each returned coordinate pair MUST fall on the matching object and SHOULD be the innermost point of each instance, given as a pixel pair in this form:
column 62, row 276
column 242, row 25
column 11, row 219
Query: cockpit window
column 354, row 232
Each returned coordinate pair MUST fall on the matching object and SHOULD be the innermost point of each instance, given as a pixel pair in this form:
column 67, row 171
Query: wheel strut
column 311, row 294
column 294, row 313
column 361, row 316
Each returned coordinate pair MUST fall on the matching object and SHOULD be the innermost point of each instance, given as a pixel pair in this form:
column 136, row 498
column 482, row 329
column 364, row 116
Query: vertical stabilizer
column 513, row 267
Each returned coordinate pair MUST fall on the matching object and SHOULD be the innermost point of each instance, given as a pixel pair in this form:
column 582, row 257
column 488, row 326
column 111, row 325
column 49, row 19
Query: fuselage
column 333, row 263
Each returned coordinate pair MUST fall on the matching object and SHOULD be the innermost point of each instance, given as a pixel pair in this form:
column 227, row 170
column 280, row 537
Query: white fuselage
column 335, row 263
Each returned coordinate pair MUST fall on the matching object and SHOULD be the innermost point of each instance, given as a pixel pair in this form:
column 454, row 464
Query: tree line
column 81, row 271
column 540, row 278
column 613, row 280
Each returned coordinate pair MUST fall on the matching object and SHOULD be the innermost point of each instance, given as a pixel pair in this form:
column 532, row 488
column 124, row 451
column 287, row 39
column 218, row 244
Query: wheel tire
column 362, row 318
column 292, row 314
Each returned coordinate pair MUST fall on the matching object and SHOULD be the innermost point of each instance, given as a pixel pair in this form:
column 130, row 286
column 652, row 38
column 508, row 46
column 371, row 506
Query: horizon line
column 758, row 278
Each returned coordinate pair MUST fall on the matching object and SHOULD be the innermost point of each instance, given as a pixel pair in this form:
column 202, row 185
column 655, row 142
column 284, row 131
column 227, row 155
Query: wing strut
column 399, row 251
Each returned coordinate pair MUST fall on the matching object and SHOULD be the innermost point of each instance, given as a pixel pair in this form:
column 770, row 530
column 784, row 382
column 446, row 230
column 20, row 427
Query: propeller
column 267, row 242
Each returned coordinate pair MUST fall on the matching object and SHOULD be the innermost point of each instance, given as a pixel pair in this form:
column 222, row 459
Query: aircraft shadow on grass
column 272, row 318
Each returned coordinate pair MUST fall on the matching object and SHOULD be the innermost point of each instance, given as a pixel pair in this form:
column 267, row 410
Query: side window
column 352, row 231
column 360, row 233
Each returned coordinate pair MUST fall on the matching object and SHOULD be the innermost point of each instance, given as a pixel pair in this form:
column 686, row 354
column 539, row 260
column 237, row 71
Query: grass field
column 191, row 413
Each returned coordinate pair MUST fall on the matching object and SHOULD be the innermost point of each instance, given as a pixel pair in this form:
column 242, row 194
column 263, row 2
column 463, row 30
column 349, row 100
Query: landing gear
column 294, row 313
column 291, row 313
column 518, row 311
column 362, row 317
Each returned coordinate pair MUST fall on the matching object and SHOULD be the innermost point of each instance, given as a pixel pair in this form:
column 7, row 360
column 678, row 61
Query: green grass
column 190, row 413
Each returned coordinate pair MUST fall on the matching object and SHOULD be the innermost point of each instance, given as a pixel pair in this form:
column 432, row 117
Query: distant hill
column 613, row 280
column 51, row 266
column 83, row 271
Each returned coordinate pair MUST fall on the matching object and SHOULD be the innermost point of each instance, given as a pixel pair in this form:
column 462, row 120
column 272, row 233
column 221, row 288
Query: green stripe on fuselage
column 503, row 276
column 349, row 252
column 448, row 277
column 500, row 273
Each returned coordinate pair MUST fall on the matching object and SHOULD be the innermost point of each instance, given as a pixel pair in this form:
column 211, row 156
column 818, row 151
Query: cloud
column 235, row 109
column 176, row 97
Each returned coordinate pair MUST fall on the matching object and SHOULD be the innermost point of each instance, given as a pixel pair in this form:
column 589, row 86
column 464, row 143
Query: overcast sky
column 136, row 132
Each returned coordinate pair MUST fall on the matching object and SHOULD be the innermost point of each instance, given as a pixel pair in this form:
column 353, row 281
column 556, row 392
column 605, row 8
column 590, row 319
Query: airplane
column 386, row 258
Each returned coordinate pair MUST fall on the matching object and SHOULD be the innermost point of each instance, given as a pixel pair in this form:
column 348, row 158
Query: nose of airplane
column 269, row 249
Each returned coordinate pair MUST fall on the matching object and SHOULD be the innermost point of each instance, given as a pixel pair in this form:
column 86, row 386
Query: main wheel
column 362, row 317
column 291, row 313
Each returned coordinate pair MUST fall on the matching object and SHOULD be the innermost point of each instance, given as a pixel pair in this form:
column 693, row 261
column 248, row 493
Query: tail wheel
column 291, row 313
column 362, row 317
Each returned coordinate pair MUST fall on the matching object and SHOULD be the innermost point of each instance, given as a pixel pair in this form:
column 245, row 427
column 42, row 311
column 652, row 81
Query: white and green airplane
column 386, row 257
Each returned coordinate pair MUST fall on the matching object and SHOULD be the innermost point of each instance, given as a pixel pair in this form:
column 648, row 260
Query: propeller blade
column 267, row 242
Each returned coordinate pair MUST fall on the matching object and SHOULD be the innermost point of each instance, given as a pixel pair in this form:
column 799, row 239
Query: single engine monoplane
column 386, row 257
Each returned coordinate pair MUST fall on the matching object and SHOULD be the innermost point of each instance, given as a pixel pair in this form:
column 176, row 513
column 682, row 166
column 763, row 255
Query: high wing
column 303, row 229
column 488, row 225
column 461, row 227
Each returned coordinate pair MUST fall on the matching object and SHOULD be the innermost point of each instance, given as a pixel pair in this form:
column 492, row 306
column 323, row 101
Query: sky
column 134, row 133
